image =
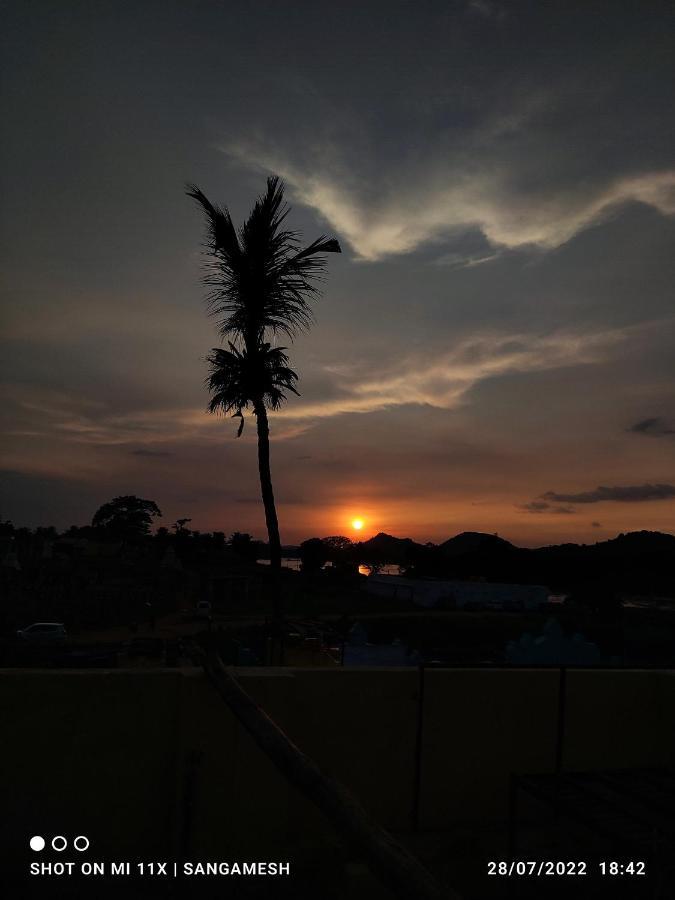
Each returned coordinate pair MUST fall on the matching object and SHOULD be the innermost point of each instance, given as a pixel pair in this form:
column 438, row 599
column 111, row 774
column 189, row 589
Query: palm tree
column 260, row 284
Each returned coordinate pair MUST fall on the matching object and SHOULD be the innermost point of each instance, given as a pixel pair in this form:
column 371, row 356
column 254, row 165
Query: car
column 203, row 610
column 43, row 632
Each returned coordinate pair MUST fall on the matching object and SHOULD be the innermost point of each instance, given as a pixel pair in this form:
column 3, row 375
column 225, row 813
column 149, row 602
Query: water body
column 389, row 569
column 288, row 562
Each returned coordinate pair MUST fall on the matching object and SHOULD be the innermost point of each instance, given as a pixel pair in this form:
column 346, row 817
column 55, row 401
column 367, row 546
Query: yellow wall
column 106, row 753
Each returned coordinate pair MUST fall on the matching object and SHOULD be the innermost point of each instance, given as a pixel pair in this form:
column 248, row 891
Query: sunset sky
column 494, row 349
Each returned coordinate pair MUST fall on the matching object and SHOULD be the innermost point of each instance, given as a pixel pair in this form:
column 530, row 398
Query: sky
column 493, row 350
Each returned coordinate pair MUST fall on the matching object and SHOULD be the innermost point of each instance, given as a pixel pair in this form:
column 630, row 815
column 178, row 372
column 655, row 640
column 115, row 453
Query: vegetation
column 94, row 579
column 260, row 283
column 127, row 517
column 337, row 549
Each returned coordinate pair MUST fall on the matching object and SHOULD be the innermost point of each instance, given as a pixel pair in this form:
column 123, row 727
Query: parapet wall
column 152, row 759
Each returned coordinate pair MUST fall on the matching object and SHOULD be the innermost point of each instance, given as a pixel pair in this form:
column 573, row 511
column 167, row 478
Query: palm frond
column 222, row 237
column 238, row 380
column 261, row 279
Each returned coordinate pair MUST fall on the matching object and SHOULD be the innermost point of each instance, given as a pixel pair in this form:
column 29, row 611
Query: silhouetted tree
column 245, row 546
column 80, row 531
column 338, row 546
column 260, row 282
column 126, row 517
column 313, row 554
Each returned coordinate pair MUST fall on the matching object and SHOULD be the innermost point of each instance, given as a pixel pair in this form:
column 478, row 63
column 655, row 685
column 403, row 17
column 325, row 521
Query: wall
column 151, row 759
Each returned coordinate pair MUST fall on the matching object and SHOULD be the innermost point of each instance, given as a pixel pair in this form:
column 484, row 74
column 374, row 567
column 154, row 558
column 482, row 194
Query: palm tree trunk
column 266, row 485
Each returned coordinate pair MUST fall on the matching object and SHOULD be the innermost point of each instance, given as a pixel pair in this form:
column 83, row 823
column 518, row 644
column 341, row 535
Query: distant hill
column 630, row 545
column 638, row 542
column 473, row 541
column 637, row 562
column 388, row 549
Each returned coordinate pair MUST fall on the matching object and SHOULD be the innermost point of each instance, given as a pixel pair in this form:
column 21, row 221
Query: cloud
column 541, row 506
column 596, row 524
column 142, row 451
column 75, row 419
column 459, row 260
column 410, row 208
column 655, row 427
column 444, row 380
column 628, row 494
column 487, row 9
column 441, row 380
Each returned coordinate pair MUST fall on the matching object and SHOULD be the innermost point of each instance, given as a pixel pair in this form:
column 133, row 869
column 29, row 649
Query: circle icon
column 37, row 843
column 84, row 843
column 62, row 843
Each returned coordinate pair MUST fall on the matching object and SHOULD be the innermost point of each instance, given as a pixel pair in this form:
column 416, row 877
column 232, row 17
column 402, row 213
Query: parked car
column 203, row 609
column 43, row 633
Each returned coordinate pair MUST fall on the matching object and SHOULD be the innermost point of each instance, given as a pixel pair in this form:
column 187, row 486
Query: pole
column 401, row 872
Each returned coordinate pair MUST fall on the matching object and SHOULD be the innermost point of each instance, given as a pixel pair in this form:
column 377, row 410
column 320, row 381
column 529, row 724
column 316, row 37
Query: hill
column 473, row 542
column 640, row 562
column 385, row 548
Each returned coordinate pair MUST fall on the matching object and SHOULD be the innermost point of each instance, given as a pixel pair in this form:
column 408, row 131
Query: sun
column 357, row 524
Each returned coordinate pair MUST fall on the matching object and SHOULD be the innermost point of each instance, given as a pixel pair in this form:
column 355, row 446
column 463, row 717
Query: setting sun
column 357, row 524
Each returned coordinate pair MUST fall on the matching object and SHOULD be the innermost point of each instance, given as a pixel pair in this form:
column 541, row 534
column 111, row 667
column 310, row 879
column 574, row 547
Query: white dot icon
column 59, row 843
column 37, row 843
column 83, row 843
